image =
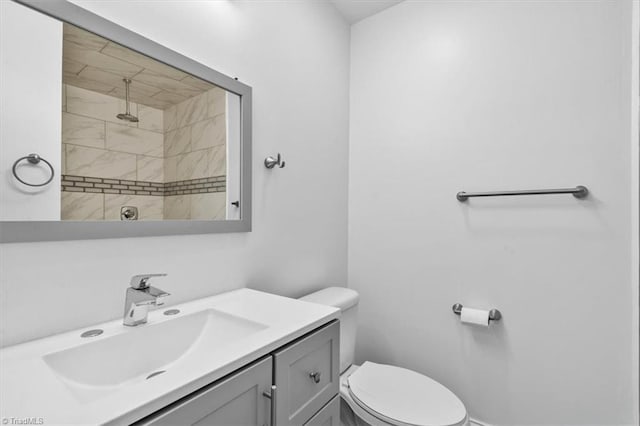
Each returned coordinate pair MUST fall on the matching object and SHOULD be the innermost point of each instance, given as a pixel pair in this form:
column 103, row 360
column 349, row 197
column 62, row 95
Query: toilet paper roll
column 475, row 316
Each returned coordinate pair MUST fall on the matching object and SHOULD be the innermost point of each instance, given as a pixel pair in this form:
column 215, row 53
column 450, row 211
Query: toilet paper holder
column 494, row 314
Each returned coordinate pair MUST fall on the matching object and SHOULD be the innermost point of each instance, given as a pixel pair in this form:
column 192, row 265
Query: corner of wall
column 635, row 204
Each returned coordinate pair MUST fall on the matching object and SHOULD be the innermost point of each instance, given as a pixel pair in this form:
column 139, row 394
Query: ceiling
column 357, row 10
column 94, row 63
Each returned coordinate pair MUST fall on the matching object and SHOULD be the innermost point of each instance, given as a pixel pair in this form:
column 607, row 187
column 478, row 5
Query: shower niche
column 143, row 140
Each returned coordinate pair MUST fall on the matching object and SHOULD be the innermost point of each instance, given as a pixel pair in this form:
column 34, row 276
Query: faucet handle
column 160, row 299
column 159, row 295
column 141, row 281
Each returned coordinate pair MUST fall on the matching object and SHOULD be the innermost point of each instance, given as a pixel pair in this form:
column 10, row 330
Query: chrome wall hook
column 271, row 162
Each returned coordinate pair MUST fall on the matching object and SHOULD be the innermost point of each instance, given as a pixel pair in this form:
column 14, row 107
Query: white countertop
column 30, row 388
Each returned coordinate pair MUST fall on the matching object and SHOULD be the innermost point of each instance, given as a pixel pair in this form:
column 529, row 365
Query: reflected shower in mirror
column 142, row 140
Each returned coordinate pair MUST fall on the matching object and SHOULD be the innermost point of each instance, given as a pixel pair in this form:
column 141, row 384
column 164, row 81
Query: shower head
column 127, row 116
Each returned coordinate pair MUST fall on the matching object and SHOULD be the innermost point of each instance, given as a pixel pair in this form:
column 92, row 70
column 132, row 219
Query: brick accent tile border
column 71, row 183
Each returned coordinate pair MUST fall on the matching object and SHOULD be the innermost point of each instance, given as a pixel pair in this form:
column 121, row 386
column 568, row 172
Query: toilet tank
column 347, row 300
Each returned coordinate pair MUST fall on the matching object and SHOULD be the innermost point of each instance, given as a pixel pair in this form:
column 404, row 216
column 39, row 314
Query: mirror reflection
column 142, row 140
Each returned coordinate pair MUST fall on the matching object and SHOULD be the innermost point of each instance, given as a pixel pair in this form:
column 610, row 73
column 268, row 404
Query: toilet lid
column 403, row 397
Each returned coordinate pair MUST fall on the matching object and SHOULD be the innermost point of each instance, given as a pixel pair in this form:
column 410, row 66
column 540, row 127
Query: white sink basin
column 99, row 367
column 105, row 380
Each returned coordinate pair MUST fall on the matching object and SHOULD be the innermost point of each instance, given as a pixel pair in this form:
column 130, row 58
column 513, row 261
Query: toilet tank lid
column 338, row 297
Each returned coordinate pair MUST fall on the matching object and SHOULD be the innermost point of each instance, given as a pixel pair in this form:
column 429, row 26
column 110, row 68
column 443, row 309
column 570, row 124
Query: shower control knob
column 128, row 213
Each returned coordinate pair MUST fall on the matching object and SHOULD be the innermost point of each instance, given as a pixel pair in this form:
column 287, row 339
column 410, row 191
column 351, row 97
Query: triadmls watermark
column 23, row 420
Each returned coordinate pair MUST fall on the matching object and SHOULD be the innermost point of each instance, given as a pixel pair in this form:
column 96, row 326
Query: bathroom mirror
column 142, row 141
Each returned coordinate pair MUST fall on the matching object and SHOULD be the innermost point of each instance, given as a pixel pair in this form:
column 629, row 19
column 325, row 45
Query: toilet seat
column 403, row 397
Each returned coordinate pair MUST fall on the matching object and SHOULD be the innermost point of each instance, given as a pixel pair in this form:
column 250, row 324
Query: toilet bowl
column 379, row 394
column 387, row 395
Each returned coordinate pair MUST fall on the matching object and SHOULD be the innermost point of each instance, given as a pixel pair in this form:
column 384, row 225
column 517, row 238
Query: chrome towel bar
column 578, row 192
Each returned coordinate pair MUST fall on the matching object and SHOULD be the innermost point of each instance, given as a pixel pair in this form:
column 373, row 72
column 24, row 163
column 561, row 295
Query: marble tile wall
column 209, row 206
column 194, row 148
column 97, row 144
column 97, row 64
column 195, row 137
column 74, row 183
column 88, row 206
column 149, row 207
column 185, row 142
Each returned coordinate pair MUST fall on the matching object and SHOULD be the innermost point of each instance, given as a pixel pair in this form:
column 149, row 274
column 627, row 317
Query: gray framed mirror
column 128, row 138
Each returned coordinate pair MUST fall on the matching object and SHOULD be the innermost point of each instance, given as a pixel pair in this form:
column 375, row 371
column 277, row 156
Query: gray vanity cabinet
column 328, row 416
column 304, row 374
column 235, row 401
column 307, row 375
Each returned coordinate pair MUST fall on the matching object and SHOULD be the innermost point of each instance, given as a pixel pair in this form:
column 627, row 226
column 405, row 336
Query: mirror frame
column 30, row 231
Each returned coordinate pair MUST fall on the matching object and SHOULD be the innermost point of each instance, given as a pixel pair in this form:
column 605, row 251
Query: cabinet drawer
column 237, row 400
column 328, row 416
column 307, row 374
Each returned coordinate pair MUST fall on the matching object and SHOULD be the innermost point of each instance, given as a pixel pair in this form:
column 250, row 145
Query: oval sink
column 97, row 368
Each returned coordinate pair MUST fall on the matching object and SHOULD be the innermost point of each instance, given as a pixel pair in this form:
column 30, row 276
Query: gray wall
column 296, row 58
column 449, row 96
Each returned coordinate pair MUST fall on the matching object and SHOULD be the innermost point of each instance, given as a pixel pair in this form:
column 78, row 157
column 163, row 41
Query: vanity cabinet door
column 235, row 401
column 328, row 416
column 307, row 375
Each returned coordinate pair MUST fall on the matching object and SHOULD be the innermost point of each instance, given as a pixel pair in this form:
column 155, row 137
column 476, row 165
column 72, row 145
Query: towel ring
column 33, row 159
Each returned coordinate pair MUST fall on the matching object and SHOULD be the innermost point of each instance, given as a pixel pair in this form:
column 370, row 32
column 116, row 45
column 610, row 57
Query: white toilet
column 382, row 395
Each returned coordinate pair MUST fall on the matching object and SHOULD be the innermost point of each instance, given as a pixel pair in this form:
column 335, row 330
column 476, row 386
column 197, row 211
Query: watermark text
column 22, row 420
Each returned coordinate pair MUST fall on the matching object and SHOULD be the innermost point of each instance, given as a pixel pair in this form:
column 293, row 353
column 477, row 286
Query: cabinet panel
column 236, row 401
column 328, row 416
column 307, row 375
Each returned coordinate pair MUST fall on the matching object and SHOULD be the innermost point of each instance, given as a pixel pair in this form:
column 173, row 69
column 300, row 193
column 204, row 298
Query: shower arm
column 127, row 115
column 126, row 94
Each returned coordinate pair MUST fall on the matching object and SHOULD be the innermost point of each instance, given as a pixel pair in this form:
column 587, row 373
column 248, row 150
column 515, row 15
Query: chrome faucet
column 140, row 295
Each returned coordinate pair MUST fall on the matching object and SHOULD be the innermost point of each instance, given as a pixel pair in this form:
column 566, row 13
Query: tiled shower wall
column 143, row 164
column 195, row 148
column 97, row 144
